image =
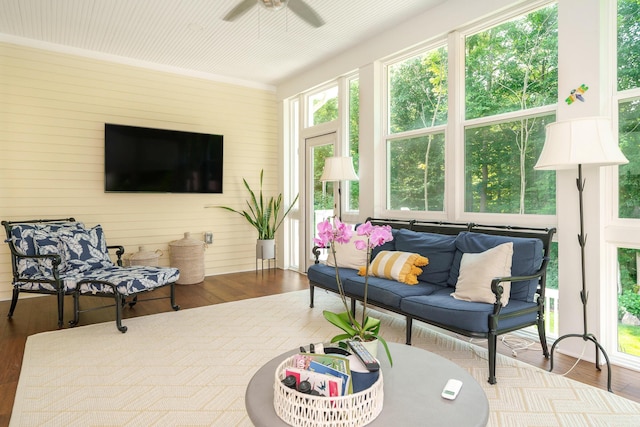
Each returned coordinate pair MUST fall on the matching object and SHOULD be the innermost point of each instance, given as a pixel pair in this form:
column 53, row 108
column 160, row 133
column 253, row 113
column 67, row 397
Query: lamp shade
column 338, row 169
column 584, row 141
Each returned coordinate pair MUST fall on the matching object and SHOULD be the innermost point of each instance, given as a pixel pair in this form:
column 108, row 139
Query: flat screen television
column 138, row 159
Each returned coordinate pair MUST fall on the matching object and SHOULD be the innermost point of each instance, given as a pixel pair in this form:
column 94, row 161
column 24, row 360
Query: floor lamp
column 570, row 144
column 338, row 169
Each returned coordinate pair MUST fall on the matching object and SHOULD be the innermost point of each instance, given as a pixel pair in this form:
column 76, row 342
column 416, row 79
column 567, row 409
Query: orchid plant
column 338, row 232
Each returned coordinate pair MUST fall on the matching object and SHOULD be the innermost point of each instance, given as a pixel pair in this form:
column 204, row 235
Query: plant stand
column 266, row 250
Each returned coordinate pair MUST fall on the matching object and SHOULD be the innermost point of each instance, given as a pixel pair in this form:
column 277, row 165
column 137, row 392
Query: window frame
column 386, row 136
column 618, row 232
column 454, row 129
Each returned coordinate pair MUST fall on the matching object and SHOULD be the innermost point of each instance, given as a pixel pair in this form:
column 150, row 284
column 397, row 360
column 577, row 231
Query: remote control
column 363, row 354
column 451, row 389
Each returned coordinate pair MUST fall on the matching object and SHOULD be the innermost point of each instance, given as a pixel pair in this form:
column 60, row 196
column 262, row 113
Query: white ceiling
column 261, row 47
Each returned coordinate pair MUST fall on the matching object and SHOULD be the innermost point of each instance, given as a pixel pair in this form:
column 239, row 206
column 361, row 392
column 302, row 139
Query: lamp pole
column 584, row 295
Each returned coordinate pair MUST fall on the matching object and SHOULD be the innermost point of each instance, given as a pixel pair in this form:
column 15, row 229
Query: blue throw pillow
column 84, row 249
column 438, row 248
column 527, row 259
column 81, row 250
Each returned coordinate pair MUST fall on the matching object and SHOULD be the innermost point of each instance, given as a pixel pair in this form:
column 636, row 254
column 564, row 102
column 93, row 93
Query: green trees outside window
column 418, row 92
column 629, row 174
column 629, row 107
column 628, row 84
column 354, row 140
column 418, row 100
column 512, row 67
column 322, row 107
column 413, row 185
column 499, row 174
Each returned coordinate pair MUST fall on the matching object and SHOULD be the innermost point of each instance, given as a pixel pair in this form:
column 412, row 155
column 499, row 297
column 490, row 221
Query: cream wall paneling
column 52, row 117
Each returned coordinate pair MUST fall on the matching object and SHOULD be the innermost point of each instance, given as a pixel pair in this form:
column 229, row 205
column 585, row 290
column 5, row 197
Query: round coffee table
column 412, row 392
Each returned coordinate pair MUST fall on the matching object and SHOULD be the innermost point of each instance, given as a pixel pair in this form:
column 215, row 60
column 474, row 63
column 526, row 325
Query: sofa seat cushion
column 388, row 292
column 438, row 248
column 441, row 308
column 326, row 276
column 527, row 259
column 127, row 280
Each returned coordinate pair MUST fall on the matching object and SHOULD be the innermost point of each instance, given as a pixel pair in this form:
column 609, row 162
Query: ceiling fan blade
column 239, row 10
column 305, row 12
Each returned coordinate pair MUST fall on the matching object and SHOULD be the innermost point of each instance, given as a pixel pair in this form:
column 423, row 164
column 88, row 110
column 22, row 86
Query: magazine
column 325, row 385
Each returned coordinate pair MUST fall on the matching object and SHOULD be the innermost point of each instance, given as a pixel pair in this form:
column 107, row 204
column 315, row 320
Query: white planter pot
column 372, row 347
column 266, row 249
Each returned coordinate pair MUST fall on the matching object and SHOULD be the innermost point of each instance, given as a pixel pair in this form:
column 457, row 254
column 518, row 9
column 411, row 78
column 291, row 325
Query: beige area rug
column 191, row 368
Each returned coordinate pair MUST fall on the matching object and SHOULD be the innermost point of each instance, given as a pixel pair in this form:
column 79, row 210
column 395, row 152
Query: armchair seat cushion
column 127, row 280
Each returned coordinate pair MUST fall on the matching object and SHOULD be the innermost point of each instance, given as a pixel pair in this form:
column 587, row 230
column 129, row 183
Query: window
column 629, row 106
column 628, row 302
column 354, row 141
column 628, row 254
column 418, row 92
column 417, row 112
column 629, row 174
column 322, row 107
column 511, row 73
column 628, row 44
column 412, row 185
column 499, row 174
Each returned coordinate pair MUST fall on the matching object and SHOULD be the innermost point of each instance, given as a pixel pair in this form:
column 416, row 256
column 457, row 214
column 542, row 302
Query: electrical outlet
column 208, row 237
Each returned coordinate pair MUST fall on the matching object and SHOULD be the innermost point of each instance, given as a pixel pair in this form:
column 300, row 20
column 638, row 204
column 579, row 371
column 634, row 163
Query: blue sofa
column 431, row 300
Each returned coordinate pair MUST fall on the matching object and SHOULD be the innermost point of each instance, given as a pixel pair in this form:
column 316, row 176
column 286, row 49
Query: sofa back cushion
column 347, row 255
column 527, row 259
column 438, row 248
column 387, row 246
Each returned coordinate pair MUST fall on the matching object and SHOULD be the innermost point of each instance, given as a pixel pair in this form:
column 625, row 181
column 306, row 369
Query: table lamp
column 338, row 169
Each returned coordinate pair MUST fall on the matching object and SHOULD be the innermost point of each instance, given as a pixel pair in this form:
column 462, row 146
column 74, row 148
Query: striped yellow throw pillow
column 401, row 266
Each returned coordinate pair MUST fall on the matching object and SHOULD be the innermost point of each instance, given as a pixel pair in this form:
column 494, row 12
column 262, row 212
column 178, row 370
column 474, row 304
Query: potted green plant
column 265, row 215
column 368, row 328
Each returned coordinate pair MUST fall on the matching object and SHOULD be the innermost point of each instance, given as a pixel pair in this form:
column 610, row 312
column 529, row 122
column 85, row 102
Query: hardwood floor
column 35, row 315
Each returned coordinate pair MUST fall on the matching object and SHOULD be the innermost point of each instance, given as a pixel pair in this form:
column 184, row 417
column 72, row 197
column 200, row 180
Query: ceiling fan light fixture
column 273, row 5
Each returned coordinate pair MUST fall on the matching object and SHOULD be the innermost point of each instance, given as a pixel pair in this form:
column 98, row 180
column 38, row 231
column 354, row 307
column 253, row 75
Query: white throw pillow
column 347, row 255
column 477, row 271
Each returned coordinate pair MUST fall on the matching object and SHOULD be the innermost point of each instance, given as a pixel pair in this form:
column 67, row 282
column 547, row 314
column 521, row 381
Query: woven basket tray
column 303, row 410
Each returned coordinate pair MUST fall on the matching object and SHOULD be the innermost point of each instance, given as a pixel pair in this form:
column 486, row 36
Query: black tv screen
column 138, row 159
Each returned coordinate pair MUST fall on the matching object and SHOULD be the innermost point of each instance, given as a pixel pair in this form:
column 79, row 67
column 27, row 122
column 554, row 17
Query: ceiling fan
column 299, row 7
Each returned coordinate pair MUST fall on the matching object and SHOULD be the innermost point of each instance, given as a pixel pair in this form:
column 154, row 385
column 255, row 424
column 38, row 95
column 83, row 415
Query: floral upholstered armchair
column 63, row 257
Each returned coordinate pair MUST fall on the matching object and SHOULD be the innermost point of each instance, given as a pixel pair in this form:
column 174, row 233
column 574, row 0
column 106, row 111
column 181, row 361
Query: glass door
column 320, row 201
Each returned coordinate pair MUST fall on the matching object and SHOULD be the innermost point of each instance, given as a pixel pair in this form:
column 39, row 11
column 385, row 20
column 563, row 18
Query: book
column 325, row 385
column 328, row 370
